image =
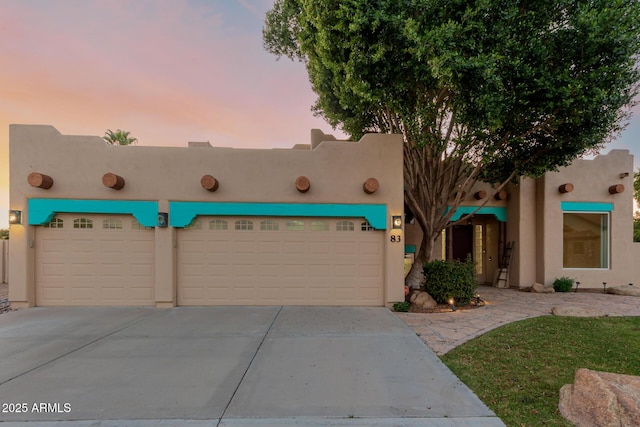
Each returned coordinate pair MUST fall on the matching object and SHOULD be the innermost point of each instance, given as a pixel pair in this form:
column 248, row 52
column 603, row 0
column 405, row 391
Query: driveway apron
column 226, row 366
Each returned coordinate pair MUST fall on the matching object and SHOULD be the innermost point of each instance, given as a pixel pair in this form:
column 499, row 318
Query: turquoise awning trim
column 182, row 213
column 410, row 249
column 41, row 211
column 500, row 212
column 586, row 206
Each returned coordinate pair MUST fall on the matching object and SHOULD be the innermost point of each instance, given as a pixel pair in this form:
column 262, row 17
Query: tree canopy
column 481, row 90
column 119, row 137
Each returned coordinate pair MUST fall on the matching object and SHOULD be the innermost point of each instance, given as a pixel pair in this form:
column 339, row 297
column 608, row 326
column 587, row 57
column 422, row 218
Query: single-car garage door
column 280, row 261
column 90, row 260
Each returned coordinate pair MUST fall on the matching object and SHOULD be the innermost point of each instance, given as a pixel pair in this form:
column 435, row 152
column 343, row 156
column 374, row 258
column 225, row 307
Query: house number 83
column 396, row 238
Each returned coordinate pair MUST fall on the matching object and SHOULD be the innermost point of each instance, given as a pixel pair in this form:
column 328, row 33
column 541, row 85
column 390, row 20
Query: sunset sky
column 168, row 71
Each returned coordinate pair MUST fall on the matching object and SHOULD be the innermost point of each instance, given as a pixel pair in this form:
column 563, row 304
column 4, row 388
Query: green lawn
column 517, row 370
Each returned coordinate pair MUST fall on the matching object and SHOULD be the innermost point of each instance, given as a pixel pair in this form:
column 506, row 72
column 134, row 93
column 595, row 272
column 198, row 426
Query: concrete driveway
column 225, row 366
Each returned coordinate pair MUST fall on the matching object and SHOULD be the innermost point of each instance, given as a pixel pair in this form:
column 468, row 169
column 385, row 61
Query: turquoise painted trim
column 41, row 211
column 182, row 213
column 410, row 249
column 500, row 212
column 586, row 206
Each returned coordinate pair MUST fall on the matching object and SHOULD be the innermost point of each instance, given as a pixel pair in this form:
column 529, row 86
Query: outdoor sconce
column 15, row 217
column 396, row 222
column 163, row 219
column 566, row 188
column 615, row 189
column 623, row 175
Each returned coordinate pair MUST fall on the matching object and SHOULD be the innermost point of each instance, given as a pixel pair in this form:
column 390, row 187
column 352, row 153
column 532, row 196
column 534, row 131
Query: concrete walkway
column 225, row 366
column 445, row 331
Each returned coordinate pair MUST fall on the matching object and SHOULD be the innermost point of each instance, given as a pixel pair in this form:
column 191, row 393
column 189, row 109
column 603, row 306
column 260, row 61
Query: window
column 295, row 225
column 135, row 225
column 218, row 224
column 55, row 223
column 365, row 226
column 112, row 224
column 269, row 225
column 319, row 226
column 195, row 225
column 244, row 224
column 82, row 223
column 344, row 226
column 585, row 238
column 478, row 247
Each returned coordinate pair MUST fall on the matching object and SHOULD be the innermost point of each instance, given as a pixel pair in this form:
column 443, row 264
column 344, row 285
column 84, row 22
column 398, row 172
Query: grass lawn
column 517, row 370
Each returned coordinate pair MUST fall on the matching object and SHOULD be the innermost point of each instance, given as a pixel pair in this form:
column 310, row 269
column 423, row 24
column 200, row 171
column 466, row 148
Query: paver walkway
column 445, row 331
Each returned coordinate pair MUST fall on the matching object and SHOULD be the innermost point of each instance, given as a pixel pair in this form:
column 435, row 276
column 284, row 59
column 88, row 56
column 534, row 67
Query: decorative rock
column 422, row 299
column 209, row 183
column 539, row 288
column 370, row 186
column 628, row 290
column 112, row 180
column 40, row 180
column 601, row 399
column 303, row 184
column 577, row 311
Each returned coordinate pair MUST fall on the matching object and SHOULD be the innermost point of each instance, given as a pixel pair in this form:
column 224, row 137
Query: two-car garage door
column 108, row 260
column 273, row 261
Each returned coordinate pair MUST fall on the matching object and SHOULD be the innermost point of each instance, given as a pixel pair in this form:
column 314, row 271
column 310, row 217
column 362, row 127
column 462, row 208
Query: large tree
column 487, row 90
column 119, row 137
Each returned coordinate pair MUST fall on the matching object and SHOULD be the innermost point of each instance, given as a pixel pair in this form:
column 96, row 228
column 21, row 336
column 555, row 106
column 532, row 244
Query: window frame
column 607, row 214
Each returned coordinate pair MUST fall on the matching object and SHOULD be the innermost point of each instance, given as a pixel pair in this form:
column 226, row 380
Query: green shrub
column 563, row 284
column 402, row 306
column 451, row 279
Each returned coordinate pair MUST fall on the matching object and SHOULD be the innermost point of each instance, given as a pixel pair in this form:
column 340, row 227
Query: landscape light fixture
column 396, row 221
column 15, row 217
column 452, row 303
column 604, row 285
column 577, row 286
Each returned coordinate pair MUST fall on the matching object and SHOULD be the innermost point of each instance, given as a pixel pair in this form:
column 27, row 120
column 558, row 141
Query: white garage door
column 90, row 260
column 280, row 261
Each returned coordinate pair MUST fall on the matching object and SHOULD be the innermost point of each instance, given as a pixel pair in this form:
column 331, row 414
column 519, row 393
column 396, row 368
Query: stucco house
column 318, row 224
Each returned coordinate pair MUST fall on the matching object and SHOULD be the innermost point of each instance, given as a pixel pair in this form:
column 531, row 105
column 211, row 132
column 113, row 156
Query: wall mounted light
column 15, row 217
column 163, row 219
column 396, row 222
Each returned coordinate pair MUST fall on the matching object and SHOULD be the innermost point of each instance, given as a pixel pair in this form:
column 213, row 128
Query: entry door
column 462, row 242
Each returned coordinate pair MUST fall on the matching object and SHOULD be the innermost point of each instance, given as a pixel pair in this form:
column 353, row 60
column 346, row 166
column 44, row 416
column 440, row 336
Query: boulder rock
column 601, row 399
column 629, row 290
column 539, row 288
column 422, row 299
column 577, row 311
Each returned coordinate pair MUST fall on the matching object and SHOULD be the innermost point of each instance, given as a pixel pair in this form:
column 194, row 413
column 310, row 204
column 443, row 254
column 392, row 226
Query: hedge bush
column 563, row 284
column 451, row 279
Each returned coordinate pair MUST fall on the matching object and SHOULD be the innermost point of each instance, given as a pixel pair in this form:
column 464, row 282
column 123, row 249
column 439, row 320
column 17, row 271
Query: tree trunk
column 415, row 278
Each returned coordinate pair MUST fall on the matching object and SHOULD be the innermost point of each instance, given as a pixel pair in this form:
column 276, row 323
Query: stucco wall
column 336, row 169
column 591, row 180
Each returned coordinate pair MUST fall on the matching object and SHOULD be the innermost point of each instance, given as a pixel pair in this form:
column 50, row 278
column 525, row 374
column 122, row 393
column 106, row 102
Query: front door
column 462, row 242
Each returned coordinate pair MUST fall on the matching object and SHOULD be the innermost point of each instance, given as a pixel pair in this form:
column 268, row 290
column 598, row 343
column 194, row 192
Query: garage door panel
column 94, row 266
column 280, row 261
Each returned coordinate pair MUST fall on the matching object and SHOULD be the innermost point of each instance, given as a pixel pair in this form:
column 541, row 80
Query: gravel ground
column 4, row 301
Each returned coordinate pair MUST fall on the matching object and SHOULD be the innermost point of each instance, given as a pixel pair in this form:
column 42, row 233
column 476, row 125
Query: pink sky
column 168, row 71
